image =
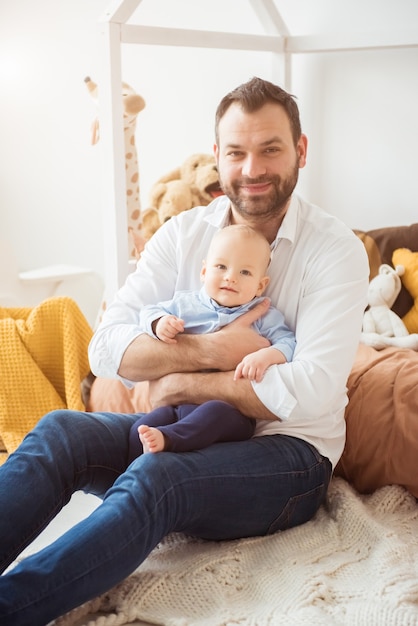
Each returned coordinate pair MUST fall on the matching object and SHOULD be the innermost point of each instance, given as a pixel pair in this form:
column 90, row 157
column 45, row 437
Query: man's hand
column 228, row 346
column 147, row 359
column 196, row 388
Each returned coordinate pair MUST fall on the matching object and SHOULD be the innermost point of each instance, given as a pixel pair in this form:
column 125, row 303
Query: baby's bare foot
column 151, row 438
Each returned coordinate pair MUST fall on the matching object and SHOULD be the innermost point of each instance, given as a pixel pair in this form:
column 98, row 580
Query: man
column 277, row 479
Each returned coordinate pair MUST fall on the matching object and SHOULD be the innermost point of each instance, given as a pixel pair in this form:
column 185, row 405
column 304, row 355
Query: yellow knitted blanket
column 43, row 359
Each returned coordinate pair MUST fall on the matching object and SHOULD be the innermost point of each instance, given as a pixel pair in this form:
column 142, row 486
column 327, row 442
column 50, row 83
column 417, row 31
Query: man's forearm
column 199, row 387
column 147, row 358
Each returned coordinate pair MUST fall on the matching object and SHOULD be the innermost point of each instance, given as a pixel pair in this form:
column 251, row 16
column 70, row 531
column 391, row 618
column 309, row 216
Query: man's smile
column 256, row 188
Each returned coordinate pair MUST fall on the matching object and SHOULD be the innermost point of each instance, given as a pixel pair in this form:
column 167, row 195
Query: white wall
column 358, row 109
column 48, row 171
column 360, row 113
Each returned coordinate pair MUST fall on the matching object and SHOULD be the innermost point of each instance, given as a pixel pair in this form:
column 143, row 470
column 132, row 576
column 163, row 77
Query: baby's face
column 235, row 271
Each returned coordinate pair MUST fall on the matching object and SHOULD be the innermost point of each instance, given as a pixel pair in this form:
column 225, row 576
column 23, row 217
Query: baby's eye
column 219, row 266
column 246, row 272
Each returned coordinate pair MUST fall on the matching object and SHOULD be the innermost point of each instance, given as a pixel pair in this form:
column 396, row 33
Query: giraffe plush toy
column 132, row 105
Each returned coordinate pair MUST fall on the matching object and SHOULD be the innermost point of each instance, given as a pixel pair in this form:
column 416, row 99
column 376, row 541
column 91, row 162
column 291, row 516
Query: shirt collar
column 288, row 227
column 219, row 216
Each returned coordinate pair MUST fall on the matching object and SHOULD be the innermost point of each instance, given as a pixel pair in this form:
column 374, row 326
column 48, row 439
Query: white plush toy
column 382, row 327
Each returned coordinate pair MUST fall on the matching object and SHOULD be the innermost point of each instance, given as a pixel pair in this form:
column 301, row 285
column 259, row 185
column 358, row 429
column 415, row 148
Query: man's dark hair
column 254, row 94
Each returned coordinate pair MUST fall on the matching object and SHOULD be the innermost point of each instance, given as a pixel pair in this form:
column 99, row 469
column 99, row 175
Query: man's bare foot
column 151, row 438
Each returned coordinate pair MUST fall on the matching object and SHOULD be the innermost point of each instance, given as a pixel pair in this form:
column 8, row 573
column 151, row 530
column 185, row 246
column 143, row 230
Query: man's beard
column 263, row 206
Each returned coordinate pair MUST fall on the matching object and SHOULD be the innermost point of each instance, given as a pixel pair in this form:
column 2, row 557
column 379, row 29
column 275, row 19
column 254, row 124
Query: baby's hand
column 250, row 367
column 167, row 327
column 254, row 365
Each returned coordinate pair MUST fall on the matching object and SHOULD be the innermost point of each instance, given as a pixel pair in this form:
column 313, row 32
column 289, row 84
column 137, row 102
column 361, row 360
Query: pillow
column 382, row 429
column 380, row 244
column 404, row 256
column 112, row 395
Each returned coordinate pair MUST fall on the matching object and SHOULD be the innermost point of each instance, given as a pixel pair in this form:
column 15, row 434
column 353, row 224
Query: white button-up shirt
column 318, row 280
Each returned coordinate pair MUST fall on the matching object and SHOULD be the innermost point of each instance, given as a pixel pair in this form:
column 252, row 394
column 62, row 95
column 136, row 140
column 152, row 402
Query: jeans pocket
column 299, row 509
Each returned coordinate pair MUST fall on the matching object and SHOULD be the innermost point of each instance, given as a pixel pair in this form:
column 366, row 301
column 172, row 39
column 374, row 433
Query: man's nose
column 253, row 167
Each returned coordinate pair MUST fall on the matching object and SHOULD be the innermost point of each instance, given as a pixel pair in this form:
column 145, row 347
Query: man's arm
column 148, row 359
column 199, row 387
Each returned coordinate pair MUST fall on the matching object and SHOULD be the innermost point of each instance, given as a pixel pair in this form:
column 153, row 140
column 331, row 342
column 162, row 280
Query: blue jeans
column 222, row 492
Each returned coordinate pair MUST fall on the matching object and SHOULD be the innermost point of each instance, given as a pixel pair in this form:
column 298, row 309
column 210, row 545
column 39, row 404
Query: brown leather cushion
column 381, row 418
column 380, row 244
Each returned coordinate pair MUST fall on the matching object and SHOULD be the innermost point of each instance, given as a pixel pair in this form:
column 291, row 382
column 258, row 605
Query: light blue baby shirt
column 202, row 315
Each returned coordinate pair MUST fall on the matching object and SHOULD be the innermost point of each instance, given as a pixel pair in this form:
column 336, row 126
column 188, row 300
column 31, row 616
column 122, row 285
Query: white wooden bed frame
column 115, row 31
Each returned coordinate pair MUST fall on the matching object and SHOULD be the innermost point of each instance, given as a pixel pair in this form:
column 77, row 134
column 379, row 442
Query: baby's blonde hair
column 248, row 232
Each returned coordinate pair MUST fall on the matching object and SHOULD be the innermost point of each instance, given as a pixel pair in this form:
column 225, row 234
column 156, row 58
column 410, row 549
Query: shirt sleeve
column 273, row 327
column 327, row 327
column 153, row 281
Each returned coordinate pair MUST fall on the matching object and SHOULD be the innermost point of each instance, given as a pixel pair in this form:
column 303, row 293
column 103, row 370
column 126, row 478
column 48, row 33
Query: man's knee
column 60, row 418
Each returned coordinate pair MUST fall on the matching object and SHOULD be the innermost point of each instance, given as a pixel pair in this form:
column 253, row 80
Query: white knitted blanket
column 354, row 564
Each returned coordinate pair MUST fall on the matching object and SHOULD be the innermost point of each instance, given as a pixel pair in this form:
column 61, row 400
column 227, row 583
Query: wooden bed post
column 273, row 24
column 112, row 144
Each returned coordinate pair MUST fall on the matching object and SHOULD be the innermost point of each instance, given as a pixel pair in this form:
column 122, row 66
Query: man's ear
column 302, row 149
column 263, row 285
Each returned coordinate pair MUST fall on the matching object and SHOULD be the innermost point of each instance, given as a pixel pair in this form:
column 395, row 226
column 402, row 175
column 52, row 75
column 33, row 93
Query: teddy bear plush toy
column 382, row 327
column 194, row 183
column 170, row 198
column 200, row 173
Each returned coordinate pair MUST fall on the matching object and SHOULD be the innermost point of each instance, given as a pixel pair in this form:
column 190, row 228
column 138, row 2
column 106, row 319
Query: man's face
column 258, row 162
